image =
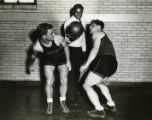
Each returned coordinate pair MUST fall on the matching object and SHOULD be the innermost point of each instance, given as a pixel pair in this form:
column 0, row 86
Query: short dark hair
column 98, row 22
column 76, row 6
column 42, row 28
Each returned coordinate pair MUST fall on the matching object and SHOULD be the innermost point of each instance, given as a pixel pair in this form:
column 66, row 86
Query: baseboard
column 131, row 84
column 4, row 83
column 39, row 83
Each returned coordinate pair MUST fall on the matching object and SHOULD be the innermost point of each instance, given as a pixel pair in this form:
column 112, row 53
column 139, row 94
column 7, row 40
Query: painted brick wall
column 133, row 42
column 132, row 38
column 91, row 6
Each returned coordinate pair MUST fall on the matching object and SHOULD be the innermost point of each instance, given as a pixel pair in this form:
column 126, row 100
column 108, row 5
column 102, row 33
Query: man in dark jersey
column 55, row 53
column 102, row 62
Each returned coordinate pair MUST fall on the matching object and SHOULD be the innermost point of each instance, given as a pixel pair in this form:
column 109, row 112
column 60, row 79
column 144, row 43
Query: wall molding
column 86, row 17
column 6, row 83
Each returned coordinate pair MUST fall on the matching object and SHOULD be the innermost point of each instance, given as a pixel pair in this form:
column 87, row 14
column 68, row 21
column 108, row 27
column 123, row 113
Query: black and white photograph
column 75, row 59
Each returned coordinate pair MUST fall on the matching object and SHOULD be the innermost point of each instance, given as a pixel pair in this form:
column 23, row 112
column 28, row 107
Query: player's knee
column 49, row 81
column 64, row 81
column 85, row 86
column 103, row 87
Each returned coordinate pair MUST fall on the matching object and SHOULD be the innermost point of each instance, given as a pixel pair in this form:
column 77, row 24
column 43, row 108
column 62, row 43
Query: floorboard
column 19, row 102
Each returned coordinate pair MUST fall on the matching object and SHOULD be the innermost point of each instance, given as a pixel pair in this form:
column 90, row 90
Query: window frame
column 17, row 3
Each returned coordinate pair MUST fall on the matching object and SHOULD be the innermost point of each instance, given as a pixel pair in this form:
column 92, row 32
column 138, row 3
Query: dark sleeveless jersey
column 53, row 53
column 106, row 47
column 53, row 49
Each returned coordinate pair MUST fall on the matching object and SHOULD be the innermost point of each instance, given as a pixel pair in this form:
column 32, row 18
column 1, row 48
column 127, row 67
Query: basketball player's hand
column 30, row 68
column 67, row 40
column 69, row 66
column 83, row 68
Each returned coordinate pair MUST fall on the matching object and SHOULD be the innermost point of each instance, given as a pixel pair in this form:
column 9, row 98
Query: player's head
column 96, row 25
column 45, row 31
column 77, row 11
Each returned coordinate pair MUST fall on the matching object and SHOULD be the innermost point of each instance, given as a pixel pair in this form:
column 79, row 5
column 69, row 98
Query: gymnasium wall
column 127, row 22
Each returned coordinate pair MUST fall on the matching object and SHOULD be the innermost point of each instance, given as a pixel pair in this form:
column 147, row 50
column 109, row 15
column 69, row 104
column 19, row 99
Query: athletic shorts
column 104, row 66
column 54, row 59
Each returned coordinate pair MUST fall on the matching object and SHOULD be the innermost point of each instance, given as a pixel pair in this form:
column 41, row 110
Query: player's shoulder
column 98, row 34
column 37, row 46
column 69, row 21
column 36, row 43
column 72, row 18
column 58, row 38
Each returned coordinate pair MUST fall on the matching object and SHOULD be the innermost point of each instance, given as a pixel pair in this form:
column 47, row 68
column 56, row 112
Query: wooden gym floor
column 27, row 102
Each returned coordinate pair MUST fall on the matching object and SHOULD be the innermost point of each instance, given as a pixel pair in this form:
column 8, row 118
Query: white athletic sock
column 49, row 100
column 99, row 108
column 94, row 98
column 62, row 98
column 111, row 103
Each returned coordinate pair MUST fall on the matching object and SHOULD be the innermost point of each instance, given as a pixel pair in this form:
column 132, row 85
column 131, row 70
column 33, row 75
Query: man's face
column 78, row 13
column 49, row 35
column 93, row 27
